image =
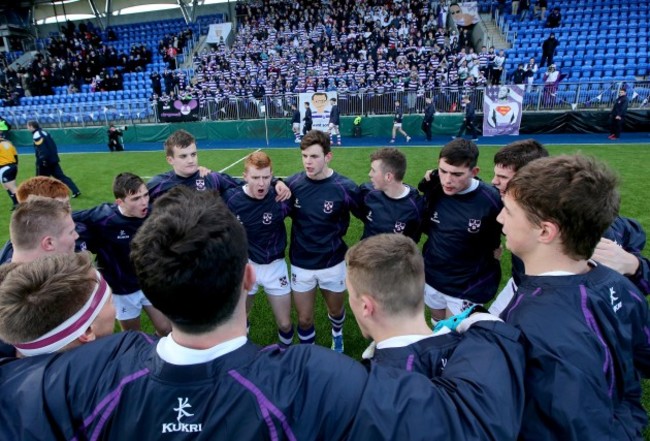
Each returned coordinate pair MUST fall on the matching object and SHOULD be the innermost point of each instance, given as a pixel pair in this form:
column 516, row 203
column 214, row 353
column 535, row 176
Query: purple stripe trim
column 108, row 400
column 265, row 406
column 519, row 297
column 409, row 362
column 608, row 365
column 147, row 338
column 536, row 292
column 635, row 296
column 270, row 347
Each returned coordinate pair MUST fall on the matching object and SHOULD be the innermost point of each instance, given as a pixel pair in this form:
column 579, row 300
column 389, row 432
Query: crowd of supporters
column 368, row 47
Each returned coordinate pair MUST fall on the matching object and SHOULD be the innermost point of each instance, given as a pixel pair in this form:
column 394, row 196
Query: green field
column 93, row 173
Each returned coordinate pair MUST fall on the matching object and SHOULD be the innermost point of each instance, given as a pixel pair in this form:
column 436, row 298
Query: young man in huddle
column 108, row 230
column 463, row 234
column 479, row 363
column 585, row 325
column 389, row 205
column 321, row 204
column 205, row 377
column 262, row 216
column 182, row 155
column 74, row 304
column 43, row 186
column 620, row 247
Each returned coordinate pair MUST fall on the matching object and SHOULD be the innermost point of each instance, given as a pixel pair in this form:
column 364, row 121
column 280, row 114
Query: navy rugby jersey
column 478, row 395
column 587, row 342
column 320, row 211
column 119, row 385
column 462, row 235
column 108, row 234
column 399, row 115
column 263, row 220
column 383, row 214
column 162, row 183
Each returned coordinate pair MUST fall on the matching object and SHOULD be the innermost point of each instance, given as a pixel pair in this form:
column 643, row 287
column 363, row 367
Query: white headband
column 73, row 327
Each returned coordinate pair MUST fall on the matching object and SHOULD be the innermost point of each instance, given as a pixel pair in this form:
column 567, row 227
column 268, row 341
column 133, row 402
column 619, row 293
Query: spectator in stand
column 530, row 70
column 540, row 9
column 554, row 18
column 548, row 50
column 498, row 67
column 519, row 75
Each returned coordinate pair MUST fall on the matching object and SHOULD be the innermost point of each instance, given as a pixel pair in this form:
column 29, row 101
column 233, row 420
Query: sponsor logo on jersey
column 182, row 412
column 328, row 206
column 616, row 304
column 435, row 218
column 474, row 225
column 399, row 227
column 200, row 184
column 283, row 281
column 267, row 218
column 123, row 235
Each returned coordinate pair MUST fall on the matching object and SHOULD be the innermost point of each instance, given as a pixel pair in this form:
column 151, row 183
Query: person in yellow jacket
column 8, row 167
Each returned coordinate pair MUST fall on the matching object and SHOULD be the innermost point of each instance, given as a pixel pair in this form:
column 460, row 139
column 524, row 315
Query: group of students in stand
column 561, row 358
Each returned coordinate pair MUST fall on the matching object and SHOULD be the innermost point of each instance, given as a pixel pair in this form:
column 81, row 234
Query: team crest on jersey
column 267, row 218
column 369, row 216
column 435, row 218
column 182, row 412
column 123, row 235
column 466, row 305
column 616, row 303
column 328, row 206
column 200, row 184
column 296, row 203
column 474, row 225
column 399, row 227
column 283, row 281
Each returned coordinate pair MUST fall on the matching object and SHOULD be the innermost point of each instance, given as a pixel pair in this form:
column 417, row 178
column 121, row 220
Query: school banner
column 178, row 110
column 319, row 103
column 502, row 110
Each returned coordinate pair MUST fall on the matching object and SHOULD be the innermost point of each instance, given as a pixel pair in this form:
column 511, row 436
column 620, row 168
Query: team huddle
column 559, row 355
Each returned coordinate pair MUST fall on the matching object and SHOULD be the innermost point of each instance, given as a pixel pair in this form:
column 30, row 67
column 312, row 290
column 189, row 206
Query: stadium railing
column 563, row 97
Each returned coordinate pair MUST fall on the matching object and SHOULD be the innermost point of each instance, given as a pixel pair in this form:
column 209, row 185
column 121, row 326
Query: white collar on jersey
column 173, row 353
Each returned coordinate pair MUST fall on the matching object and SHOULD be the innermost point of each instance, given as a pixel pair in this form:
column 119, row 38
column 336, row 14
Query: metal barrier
column 560, row 97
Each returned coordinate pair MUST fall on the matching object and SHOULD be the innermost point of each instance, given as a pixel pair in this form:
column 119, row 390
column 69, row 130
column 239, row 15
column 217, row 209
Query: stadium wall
column 375, row 126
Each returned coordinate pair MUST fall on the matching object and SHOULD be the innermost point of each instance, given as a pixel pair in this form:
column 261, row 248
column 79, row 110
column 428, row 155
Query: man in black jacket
column 427, row 122
column 468, row 122
column 617, row 117
column 47, row 157
column 548, row 50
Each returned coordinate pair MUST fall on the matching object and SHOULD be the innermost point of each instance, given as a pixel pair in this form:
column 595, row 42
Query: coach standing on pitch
column 617, row 116
column 47, row 157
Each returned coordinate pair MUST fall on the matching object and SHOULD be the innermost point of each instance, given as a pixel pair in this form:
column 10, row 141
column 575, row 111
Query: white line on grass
column 236, row 162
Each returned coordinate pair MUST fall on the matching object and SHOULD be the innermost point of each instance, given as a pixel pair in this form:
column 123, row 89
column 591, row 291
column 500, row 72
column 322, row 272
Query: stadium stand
column 369, row 52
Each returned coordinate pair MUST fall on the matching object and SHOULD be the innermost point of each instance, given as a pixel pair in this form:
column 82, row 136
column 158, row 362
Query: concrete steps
column 494, row 35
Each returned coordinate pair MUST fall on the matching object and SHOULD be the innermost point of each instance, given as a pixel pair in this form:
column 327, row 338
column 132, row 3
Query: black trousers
column 426, row 128
column 55, row 171
column 468, row 125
